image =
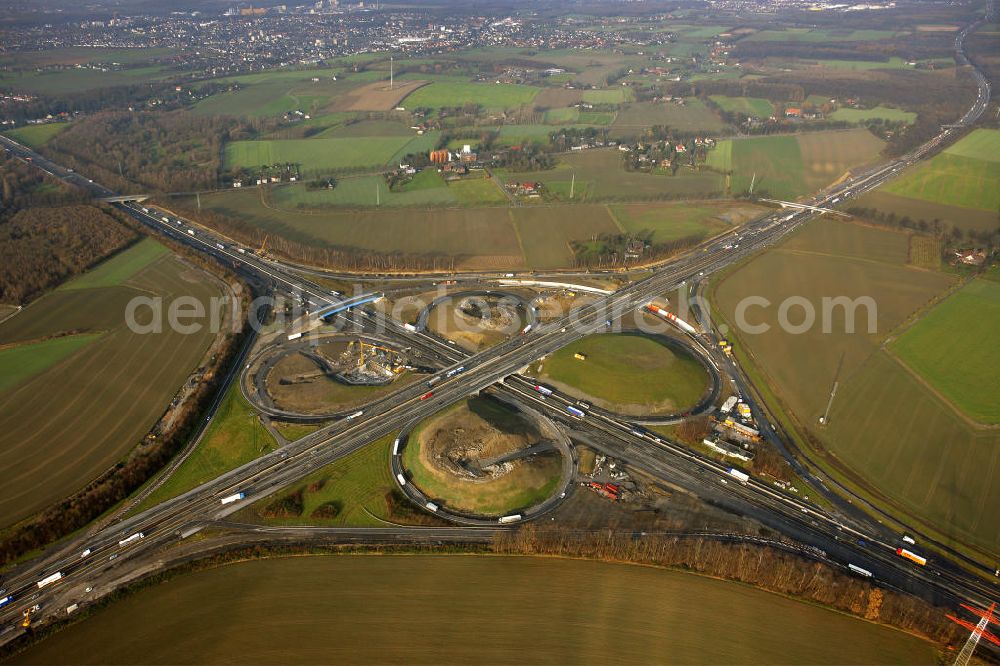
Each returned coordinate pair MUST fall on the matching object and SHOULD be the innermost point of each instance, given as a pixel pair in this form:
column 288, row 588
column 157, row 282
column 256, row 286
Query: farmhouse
column 970, row 257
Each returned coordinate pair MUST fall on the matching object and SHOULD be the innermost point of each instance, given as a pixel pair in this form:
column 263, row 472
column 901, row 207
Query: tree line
column 42, row 247
column 42, row 242
column 157, row 151
column 760, row 565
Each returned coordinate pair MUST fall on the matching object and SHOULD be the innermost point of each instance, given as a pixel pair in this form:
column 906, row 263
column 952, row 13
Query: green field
column 981, row 144
column 676, row 221
column 627, row 373
column 103, row 398
column 753, row 106
column 456, row 93
column 280, row 91
column 35, row 136
column 820, row 36
column 235, row 436
column 953, row 347
column 597, row 117
column 963, row 175
column 887, row 430
column 720, row 157
column 358, row 485
column 863, row 65
column 881, row 112
column 69, row 81
column 772, row 165
column 116, row 270
column 482, row 191
column 377, row 609
column 562, row 116
column 317, row 155
column 21, row 362
column 789, row 166
column 611, row 96
column 693, row 116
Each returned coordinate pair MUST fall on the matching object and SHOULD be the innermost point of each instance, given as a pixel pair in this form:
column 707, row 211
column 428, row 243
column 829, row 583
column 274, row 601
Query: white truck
column 401, row 479
column 410, row 327
column 513, row 518
column 233, row 498
column 135, row 537
column 48, row 580
column 742, row 477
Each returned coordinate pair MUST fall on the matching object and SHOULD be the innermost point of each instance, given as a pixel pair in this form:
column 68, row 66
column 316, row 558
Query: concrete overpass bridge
column 801, row 206
column 124, row 198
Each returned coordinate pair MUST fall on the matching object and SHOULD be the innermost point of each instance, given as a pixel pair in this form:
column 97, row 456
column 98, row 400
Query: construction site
column 476, row 321
column 329, row 375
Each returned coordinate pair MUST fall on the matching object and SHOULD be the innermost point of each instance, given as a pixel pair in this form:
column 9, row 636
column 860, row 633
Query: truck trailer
column 858, row 570
column 48, row 580
column 911, row 556
column 233, row 498
column 742, row 477
column 135, row 537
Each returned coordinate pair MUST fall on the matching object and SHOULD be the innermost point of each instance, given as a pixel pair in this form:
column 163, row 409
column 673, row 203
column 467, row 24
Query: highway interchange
column 845, row 535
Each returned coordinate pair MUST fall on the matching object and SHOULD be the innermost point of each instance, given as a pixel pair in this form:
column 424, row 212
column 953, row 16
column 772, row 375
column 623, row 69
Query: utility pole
column 378, row 195
column 390, row 72
column 752, row 181
column 198, row 196
column 572, row 185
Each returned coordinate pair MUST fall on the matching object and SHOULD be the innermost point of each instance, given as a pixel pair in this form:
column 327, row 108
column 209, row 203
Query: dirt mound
column 467, row 442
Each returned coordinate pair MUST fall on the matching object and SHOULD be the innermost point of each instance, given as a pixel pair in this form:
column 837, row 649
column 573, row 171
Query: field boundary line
column 614, row 218
column 864, row 260
column 976, row 425
column 517, row 235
